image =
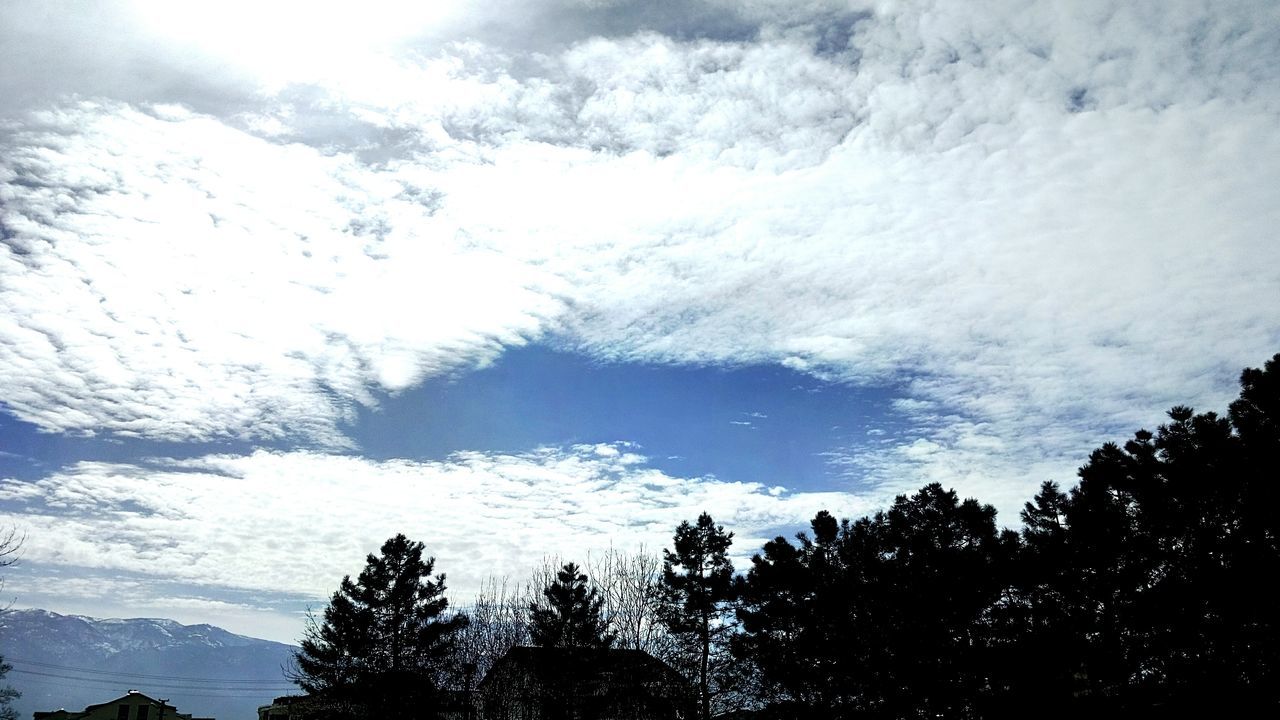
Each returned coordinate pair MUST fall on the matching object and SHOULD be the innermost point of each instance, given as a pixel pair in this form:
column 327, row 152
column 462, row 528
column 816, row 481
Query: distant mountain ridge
column 72, row 661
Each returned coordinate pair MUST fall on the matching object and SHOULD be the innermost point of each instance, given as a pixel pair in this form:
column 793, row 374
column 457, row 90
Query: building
column 130, row 706
column 285, row 707
column 454, row 705
column 533, row 683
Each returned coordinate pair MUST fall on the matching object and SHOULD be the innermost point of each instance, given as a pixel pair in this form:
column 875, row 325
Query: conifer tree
column 570, row 615
column 883, row 617
column 697, row 584
column 382, row 645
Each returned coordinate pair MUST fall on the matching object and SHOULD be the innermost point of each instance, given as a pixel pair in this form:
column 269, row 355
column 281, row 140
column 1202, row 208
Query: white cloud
column 1047, row 224
column 295, row 523
column 169, row 277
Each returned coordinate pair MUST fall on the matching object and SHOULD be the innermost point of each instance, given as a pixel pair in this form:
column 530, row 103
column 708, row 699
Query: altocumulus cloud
column 1044, row 225
column 169, row 277
column 295, row 522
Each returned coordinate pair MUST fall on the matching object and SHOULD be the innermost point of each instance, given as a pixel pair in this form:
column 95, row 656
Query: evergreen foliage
column 697, row 586
column 382, row 646
column 570, row 615
column 1158, row 572
column 1142, row 590
column 882, row 616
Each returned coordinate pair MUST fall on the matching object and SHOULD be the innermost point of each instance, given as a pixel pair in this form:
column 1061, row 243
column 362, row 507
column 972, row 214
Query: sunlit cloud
column 1038, row 227
column 296, row 522
column 209, row 283
column 295, row 41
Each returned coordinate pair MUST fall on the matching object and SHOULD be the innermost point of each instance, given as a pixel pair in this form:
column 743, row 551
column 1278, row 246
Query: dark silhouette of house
column 534, row 683
column 451, row 705
column 286, row 707
column 130, row 706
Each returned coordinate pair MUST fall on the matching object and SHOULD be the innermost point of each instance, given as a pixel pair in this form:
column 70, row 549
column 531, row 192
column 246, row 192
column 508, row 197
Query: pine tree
column 1040, row 655
column 570, row 615
column 697, row 583
column 943, row 555
column 883, row 617
column 811, row 621
column 381, row 648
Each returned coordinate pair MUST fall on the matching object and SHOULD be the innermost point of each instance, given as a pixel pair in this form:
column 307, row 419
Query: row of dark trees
column 1143, row 589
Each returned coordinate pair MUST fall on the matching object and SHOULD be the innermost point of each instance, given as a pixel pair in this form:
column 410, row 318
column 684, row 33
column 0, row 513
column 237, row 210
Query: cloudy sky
column 279, row 280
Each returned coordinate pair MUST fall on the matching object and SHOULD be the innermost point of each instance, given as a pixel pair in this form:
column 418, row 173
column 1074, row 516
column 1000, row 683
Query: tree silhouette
column 1168, row 537
column 1255, row 416
column 888, row 616
column 384, row 639
column 943, row 560
column 1142, row 589
column 1037, row 652
column 805, row 617
column 570, row 614
column 627, row 584
column 497, row 621
column 697, row 584
column 10, row 544
column 7, row 694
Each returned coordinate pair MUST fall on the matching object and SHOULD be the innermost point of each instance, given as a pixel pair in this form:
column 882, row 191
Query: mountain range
column 71, row 661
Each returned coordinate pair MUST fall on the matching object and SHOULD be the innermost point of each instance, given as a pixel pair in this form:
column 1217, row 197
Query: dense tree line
column 1144, row 589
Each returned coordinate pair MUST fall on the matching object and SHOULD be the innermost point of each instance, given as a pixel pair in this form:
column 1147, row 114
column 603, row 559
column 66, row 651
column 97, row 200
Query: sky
column 541, row 277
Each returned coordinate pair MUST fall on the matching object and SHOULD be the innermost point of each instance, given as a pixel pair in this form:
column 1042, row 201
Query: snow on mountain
column 72, row 661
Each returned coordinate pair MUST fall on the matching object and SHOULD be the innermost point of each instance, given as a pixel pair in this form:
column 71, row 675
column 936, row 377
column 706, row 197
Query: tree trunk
column 704, row 688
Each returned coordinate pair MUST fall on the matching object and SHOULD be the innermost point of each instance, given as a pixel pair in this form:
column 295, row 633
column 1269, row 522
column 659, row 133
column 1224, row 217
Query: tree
column 697, row 583
column 382, row 647
column 629, row 584
column 805, row 628
column 1167, row 539
column 885, row 617
column 1142, row 591
column 497, row 621
column 570, row 615
column 943, row 561
column 7, row 694
column 10, row 544
column 1039, row 656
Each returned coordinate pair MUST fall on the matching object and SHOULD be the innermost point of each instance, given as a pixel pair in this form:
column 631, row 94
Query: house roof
column 286, row 700
column 133, row 696
column 612, row 661
column 585, row 682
